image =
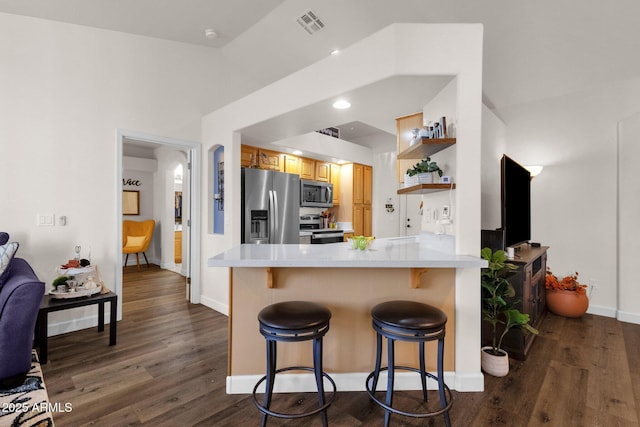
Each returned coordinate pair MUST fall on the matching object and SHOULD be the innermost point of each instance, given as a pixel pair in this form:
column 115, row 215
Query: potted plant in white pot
column 422, row 172
column 499, row 310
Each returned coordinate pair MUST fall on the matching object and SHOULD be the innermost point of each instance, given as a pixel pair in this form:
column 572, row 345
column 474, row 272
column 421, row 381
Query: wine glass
column 78, row 248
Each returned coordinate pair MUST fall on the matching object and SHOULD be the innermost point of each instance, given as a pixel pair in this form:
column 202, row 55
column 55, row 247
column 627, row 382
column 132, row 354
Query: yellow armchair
column 136, row 236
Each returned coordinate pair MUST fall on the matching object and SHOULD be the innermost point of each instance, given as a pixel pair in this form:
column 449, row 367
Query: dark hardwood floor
column 169, row 367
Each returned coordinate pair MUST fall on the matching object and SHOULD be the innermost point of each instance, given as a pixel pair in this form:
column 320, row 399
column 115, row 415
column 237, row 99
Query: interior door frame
column 194, row 154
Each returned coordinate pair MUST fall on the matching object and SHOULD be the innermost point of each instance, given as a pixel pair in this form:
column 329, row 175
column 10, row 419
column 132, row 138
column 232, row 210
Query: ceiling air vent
column 310, row 22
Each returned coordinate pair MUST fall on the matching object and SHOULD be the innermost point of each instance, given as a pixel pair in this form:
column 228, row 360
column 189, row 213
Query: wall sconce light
column 534, row 170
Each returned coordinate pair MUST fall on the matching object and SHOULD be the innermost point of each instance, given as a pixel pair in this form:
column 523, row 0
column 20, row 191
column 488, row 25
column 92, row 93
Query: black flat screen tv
column 516, row 202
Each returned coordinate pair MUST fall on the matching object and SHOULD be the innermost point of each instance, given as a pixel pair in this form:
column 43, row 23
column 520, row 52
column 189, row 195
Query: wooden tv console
column 528, row 282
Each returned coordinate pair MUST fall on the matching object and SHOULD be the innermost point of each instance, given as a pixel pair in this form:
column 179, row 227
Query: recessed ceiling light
column 335, row 52
column 296, row 152
column 210, row 33
column 341, row 104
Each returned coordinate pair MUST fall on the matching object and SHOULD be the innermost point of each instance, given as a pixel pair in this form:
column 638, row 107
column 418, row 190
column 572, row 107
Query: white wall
column 443, row 104
column 494, row 145
column 628, row 215
column 574, row 198
column 66, row 89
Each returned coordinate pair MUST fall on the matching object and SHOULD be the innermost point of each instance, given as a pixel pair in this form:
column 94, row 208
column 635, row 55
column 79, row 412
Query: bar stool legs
column 293, row 322
column 420, row 324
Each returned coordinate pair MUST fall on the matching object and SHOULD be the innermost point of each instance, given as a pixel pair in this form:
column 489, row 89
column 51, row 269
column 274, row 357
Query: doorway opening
column 166, row 171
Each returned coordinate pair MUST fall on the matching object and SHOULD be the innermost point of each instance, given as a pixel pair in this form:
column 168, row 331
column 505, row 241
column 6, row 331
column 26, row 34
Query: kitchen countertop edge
column 341, row 255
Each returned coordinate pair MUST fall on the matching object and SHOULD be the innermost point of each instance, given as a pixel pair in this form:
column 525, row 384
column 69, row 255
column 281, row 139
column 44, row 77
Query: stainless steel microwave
column 316, row 194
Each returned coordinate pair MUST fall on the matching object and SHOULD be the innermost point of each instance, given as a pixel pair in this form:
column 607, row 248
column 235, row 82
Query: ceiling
column 179, row 20
column 532, row 50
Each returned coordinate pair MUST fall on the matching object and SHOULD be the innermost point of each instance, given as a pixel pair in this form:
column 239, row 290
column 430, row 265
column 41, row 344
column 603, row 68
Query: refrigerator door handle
column 272, row 217
column 276, row 217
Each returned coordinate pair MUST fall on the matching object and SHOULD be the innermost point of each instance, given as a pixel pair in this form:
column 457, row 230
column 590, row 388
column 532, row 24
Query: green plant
column 498, row 306
column 425, row 166
column 60, row 280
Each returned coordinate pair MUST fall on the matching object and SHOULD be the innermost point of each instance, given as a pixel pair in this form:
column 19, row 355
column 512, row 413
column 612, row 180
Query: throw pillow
column 134, row 241
column 4, row 238
column 6, row 255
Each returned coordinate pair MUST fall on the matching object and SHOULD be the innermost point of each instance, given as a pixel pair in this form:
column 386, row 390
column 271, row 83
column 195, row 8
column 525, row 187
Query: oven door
column 329, row 236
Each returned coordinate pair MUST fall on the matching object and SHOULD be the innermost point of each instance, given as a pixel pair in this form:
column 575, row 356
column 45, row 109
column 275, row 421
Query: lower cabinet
column 528, row 282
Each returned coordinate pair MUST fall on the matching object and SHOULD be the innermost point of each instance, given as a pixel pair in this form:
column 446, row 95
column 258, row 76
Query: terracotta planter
column 567, row 303
column 498, row 366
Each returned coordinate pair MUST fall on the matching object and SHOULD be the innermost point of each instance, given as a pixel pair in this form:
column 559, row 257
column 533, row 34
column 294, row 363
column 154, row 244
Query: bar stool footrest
column 386, row 407
column 301, row 415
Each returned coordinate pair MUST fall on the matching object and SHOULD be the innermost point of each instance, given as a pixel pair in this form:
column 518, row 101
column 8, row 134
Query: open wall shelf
column 426, row 148
column 426, row 188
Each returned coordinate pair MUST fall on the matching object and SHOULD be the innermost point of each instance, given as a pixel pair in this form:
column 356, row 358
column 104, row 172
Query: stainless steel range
column 311, row 231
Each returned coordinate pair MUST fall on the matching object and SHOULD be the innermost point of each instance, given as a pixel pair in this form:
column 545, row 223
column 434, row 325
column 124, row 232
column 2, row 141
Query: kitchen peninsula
column 349, row 282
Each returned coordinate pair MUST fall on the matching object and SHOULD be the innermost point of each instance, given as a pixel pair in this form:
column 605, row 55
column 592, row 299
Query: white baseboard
column 77, row 324
column 625, row 316
column 468, row 382
column 353, row 381
column 214, row 305
column 600, row 310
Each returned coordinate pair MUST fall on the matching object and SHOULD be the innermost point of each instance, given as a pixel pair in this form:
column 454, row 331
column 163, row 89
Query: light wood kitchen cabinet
column 307, row 168
column 269, row 160
column 355, row 182
column 357, row 220
column 367, row 185
column 292, row 164
column 248, row 154
column 367, row 221
column 358, row 184
column 335, row 180
column 323, row 171
column 404, row 126
column 177, row 249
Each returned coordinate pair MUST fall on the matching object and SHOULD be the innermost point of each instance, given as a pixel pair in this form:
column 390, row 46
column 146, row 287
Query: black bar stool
column 415, row 322
column 294, row 321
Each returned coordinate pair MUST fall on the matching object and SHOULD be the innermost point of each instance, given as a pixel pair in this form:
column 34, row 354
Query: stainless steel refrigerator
column 270, row 206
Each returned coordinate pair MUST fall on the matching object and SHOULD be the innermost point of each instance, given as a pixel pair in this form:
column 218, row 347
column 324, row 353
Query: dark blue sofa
column 20, row 296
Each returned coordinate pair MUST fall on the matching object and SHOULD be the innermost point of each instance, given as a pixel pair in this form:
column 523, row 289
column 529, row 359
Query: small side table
column 49, row 305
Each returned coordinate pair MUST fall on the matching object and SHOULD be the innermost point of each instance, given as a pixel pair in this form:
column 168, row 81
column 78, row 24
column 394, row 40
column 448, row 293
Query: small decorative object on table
column 566, row 297
column 75, row 282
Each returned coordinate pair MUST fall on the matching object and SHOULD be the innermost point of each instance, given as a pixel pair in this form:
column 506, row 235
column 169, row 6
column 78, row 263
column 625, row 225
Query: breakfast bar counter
column 349, row 282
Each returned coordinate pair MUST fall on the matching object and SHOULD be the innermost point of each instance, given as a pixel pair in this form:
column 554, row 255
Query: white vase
column 425, row 178
column 498, row 366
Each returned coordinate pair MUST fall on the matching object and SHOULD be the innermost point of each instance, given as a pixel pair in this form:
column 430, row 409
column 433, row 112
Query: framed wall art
column 130, row 202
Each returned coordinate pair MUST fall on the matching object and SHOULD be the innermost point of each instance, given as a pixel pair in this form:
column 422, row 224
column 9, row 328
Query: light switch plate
column 45, row 220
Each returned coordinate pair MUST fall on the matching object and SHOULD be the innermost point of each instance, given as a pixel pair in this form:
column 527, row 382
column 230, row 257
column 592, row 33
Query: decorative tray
column 75, row 294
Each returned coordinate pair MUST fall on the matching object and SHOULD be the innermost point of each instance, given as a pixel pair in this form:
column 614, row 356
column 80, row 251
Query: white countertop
column 383, row 253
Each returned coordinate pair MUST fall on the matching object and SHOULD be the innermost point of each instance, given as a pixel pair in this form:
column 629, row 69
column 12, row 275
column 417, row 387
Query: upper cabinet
column 335, row 180
column 251, row 157
column 307, row 168
column 248, row 156
column 404, row 126
column 292, row 164
column 323, row 171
